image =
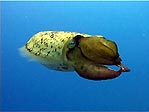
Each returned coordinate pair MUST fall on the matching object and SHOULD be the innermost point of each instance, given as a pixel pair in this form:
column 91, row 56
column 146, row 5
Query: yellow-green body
column 72, row 51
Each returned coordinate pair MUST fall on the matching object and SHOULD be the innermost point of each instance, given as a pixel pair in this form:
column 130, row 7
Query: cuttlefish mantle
column 88, row 55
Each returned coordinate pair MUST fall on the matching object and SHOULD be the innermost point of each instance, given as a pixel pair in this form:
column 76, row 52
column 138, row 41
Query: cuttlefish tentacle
column 89, row 60
column 98, row 72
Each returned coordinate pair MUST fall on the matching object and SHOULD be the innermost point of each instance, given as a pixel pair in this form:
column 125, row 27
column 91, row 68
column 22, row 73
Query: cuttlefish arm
column 90, row 55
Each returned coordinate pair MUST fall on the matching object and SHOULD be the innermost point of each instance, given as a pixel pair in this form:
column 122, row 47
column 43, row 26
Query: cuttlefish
column 88, row 55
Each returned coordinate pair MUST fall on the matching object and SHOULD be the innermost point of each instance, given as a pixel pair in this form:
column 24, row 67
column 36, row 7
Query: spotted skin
column 47, row 47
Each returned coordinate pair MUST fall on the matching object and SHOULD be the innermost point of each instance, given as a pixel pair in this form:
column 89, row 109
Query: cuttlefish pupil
column 68, row 51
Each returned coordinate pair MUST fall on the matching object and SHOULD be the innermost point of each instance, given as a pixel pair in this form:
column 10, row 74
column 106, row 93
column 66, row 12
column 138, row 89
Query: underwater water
column 30, row 86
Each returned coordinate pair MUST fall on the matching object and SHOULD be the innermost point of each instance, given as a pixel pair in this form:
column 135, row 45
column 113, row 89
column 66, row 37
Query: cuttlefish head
column 90, row 56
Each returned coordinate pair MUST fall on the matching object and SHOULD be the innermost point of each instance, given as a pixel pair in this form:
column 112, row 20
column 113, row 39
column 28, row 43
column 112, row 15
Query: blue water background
column 30, row 86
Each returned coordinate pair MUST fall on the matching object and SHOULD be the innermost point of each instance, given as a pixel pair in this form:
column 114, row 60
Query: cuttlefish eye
column 71, row 44
column 74, row 42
